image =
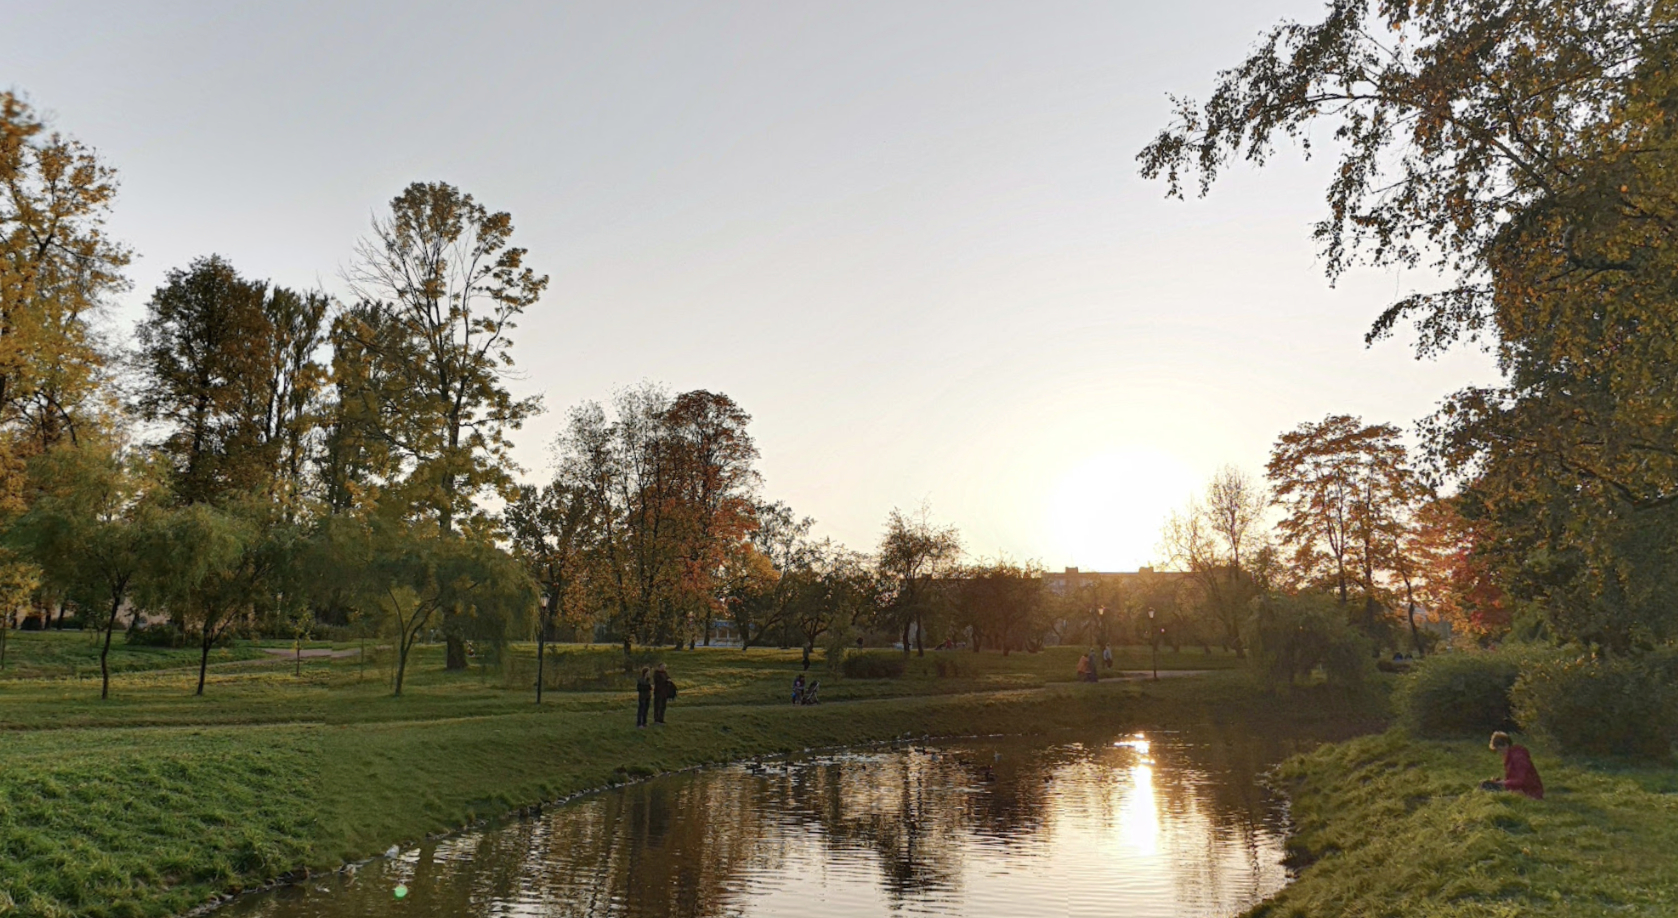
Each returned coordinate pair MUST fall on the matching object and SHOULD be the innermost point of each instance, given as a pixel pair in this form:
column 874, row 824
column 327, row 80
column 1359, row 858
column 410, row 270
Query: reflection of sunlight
column 1138, row 811
column 1137, row 742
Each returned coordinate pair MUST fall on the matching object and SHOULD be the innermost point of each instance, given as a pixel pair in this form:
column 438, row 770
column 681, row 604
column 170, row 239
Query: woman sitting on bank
column 1519, row 774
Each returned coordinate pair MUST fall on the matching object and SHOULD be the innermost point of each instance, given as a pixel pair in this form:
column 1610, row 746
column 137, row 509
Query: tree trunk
column 105, row 651
column 203, row 660
column 541, row 656
column 906, row 625
column 920, row 635
column 402, row 646
column 455, row 653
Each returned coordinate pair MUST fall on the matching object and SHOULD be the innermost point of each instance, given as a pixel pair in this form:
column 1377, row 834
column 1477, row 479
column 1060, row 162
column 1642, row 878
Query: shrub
column 162, row 634
column 1588, row 704
column 1293, row 636
column 872, row 666
column 1456, row 694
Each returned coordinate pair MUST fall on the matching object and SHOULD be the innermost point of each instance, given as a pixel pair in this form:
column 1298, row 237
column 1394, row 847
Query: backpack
column 672, row 688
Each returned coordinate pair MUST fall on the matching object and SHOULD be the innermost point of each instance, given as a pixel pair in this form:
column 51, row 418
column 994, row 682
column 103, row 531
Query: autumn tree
column 57, row 267
column 711, row 456
column 761, row 595
column 913, row 555
column 1527, row 150
column 1346, row 490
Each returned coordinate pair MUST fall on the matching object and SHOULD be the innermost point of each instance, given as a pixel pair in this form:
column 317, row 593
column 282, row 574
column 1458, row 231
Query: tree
column 88, row 531
column 445, row 287
column 1213, row 541
column 711, row 457
column 1528, row 148
column 230, row 369
column 913, row 555
column 551, row 528
column 204, row 572
column 761, row 594
column 832, row 590
column 57, row 267
column 1346, row 490
column 1448, row 574
column 1000, row 601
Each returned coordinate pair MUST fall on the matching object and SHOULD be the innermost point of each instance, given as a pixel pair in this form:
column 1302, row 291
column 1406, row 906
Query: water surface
column 1174, row 825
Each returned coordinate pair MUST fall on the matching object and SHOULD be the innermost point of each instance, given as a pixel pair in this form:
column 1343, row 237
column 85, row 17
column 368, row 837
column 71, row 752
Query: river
column 1140, row 825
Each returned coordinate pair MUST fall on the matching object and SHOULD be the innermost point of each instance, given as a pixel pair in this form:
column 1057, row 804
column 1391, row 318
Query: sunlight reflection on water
column 1168, row 825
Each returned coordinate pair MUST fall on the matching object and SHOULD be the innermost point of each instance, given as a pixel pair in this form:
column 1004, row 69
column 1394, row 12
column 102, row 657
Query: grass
column 75, row 655
column 1394, row 825
column 155, row 801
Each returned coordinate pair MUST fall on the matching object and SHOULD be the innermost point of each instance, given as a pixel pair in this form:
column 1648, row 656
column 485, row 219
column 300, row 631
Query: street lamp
column 1153, row 635
column 1101, row 625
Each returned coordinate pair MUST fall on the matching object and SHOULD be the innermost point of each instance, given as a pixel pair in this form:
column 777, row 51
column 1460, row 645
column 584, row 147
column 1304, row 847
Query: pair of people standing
column 654, row 688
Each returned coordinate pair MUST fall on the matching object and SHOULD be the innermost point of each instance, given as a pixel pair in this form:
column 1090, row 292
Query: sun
column 1105, row 512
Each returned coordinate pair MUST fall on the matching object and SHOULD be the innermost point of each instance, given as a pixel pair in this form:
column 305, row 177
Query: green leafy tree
column 914, row 554
column 1001, row 603
column 89, row 531
column 444, row 286
column 551, row 528
column 1527, row 149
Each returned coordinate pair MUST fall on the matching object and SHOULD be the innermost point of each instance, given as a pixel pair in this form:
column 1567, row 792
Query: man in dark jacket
column 663, row 691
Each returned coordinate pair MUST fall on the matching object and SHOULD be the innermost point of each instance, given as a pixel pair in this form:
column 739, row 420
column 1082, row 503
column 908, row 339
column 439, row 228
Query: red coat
column 1519, row 774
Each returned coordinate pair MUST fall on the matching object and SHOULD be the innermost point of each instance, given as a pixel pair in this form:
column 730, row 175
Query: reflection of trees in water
column 895, row 807
column 695, row 846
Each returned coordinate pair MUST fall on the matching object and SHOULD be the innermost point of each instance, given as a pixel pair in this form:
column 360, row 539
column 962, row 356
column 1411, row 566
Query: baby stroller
column 810, row 696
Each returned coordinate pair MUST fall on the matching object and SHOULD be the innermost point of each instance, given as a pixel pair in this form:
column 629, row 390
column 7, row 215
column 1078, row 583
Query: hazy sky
column 909, row 238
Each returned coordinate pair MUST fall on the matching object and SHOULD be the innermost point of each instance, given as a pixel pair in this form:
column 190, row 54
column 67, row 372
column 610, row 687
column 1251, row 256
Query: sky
column 909, row 238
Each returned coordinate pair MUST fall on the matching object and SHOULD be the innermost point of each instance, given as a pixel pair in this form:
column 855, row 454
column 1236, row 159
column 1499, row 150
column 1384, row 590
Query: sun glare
column 1105, row 512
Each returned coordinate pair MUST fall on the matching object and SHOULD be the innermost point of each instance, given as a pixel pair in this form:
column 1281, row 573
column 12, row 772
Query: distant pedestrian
column 1107, row 657
column 1084, row 670
column 1519, row 774
column 643, row 697
column 798, row 689
column 663, row 690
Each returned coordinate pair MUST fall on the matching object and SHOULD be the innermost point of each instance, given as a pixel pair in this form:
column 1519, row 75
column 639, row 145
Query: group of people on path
column 1087, row 666
column 654, row 689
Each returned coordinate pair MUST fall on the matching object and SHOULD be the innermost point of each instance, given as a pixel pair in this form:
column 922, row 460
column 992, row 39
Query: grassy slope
column 1397, row 827
column 155, row 800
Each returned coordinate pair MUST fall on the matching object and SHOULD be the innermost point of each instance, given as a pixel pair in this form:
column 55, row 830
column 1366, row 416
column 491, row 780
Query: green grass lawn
column 1396, row 826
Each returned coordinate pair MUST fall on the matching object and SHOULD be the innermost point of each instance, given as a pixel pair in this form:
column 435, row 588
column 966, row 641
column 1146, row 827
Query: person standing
column 1084, row 668
column 663, row 691
column 643, row 697
column 1107, row 657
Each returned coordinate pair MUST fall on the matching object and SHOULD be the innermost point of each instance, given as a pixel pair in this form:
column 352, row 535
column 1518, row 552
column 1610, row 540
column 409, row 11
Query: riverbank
column 1393, row 825
column 154, row 802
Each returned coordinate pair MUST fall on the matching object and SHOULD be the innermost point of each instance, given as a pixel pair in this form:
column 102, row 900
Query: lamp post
column 1153, row 634
column 1101, row 625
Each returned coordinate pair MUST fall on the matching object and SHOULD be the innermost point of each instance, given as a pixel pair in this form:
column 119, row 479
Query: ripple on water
column 1167, row 825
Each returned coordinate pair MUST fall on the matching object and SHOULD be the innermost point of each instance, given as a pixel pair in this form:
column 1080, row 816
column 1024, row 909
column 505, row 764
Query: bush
column 162, row 634
column 1457, row 694
column 1294, row 636
column 872, row 666
column 1625, row 706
